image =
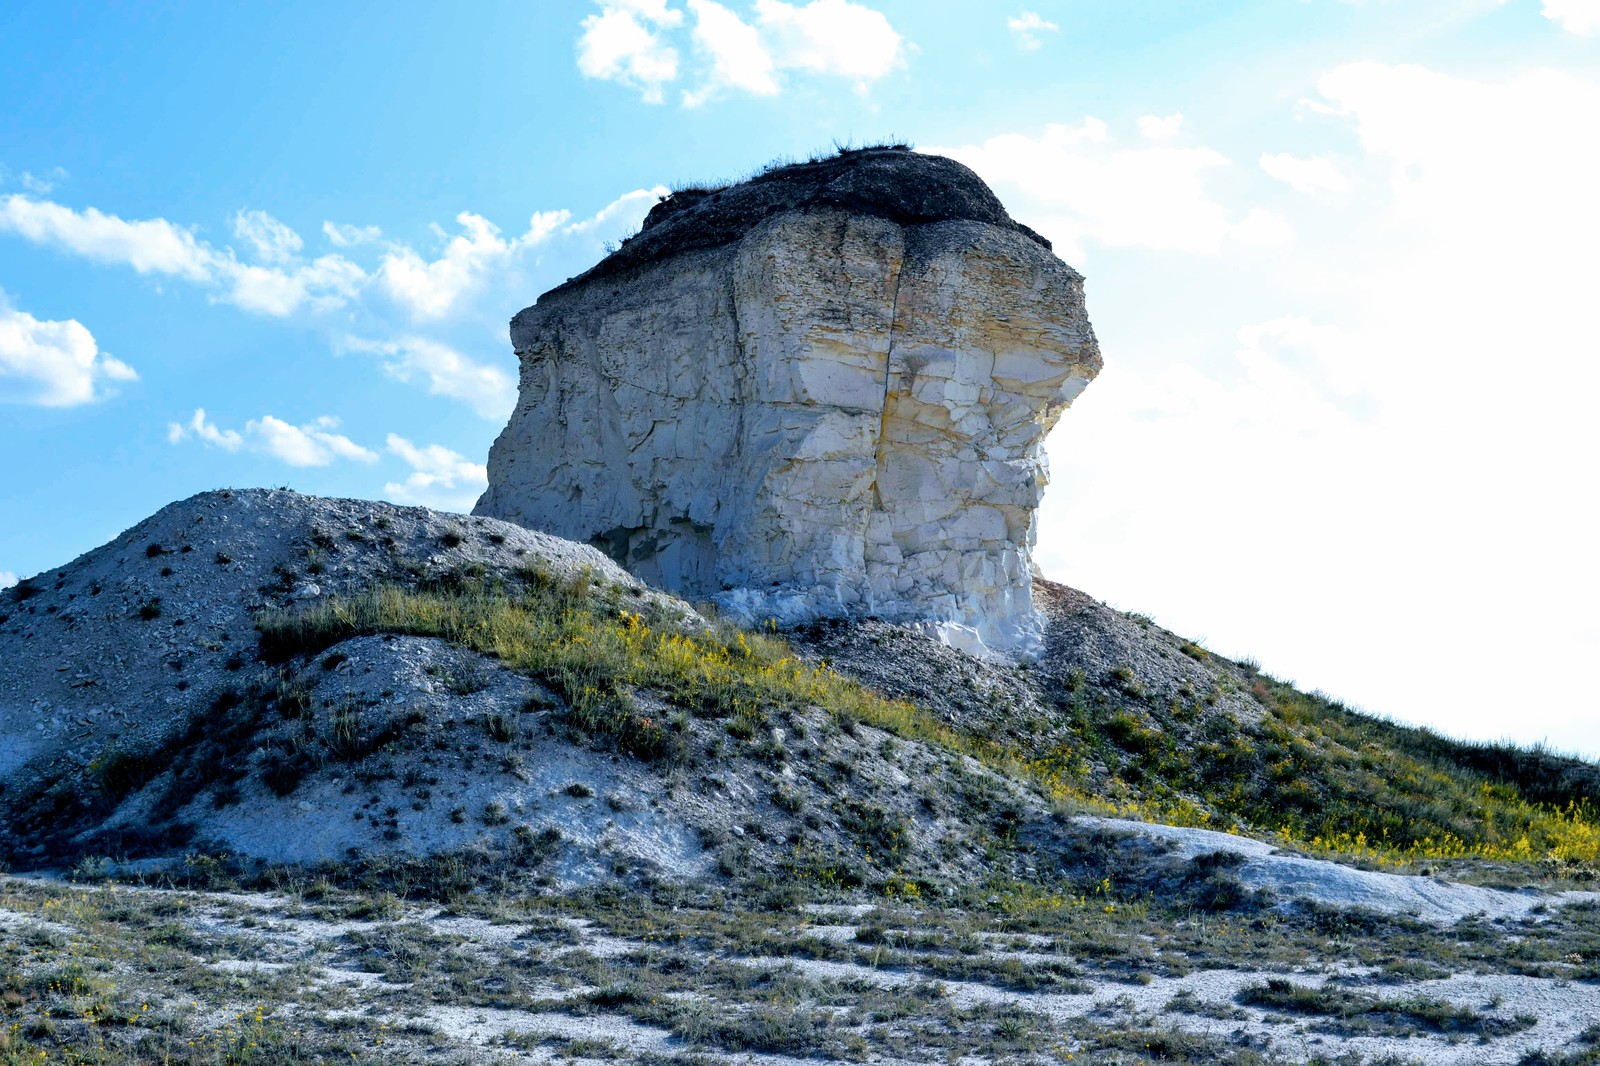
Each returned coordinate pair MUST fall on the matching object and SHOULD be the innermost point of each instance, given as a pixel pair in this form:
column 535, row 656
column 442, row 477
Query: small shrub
column 501, row 728
column 121, row 773
column 580, row 790
column 1130, row 733
column 788, row 800
column 881, row 833
column 283, row 771
column 495, row 814
column 150, row 609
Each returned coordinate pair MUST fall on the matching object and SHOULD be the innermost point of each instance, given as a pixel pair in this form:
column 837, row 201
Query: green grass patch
column 1322, row 777
column 596, row 649
column 1311, row 772
column 1433, row 1015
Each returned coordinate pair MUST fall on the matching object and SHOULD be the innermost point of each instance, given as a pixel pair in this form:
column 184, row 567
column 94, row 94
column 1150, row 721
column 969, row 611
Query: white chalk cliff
column 824, row 391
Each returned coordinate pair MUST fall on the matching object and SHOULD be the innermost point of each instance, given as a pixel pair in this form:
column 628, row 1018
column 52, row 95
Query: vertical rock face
column 823, row 391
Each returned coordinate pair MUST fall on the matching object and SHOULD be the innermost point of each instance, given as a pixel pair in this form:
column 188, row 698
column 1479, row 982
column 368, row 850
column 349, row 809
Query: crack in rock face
column 836, row 409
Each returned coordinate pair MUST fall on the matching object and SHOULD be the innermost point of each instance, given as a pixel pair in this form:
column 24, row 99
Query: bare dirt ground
column 119, row 973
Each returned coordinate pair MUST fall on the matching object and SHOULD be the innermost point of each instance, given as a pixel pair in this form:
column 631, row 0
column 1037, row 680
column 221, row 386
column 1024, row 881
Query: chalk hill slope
column 281, row 679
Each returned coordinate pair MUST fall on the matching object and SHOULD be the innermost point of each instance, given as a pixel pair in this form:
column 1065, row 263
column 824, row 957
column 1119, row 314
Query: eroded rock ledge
column 822, row 392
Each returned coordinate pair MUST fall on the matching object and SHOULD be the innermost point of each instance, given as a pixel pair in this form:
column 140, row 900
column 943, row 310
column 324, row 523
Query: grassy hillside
column 1300, row 767
column 1320, row 775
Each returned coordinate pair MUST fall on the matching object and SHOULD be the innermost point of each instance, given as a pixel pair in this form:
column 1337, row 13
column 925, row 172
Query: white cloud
column 313, row 444
column 7, row 579
column 440, row 478
column 156, row 246
column 150, row 246
column 53, row 364
column 325, row 283
column 475, row 267
column 490, row 391
column 739, row 58
column 1160, row 127
column 630, row 43
column 1311, row 175
column 657, row 11
column 619, row 45
column 346, row 236
column 281, row 282
column 832, row 37
column 45, row 185
column 1026, row 28
column 207, row 431
column 1575, row 16
column 432, row 289
column 273, row 241
column 1075, row 184
column 626, row 212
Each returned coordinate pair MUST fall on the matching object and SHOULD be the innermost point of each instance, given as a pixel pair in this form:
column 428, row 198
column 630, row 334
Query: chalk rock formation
column 823, row 391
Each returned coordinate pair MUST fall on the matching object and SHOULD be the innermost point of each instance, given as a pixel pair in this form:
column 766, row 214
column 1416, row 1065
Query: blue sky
column 1340, row 259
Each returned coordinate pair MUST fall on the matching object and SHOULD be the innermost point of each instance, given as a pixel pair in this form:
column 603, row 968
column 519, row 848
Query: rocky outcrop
column 824, row 391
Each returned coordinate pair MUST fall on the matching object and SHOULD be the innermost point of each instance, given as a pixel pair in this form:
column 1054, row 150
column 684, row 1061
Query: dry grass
column 1312, row 774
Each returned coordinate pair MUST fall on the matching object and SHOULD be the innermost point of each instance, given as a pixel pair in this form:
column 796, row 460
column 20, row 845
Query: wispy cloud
column 157, row 246
column 201, row 428
column 150, row 246
column 272, row 240
column 311, row 444
column 440, row 478
column 1160, row 127
column 7, row 579
column 1026, row 28
column 60, row 363
column 53, row 364
column 347, row 236
column 433, row 288
column 45, row 185
column 1081, row 185
column 488, row 390
column 1316, row 174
